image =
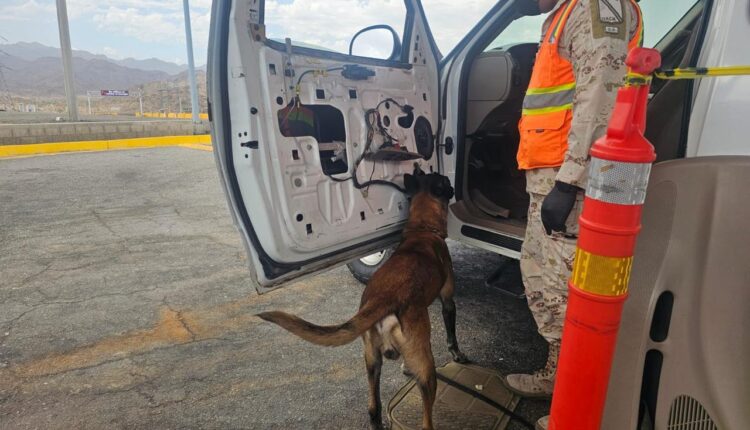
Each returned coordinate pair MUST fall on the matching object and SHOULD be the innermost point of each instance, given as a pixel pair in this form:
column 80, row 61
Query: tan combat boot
column 539, row 383
column 542, row 423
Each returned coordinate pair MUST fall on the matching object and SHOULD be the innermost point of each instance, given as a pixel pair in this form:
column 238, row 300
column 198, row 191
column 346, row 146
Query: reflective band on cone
column 596, row 274
column 618, row 182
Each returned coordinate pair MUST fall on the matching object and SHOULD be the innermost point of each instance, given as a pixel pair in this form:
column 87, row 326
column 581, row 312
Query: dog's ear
column 442, row 188
column 418, row 170
column 411, row 184
column 449, row 192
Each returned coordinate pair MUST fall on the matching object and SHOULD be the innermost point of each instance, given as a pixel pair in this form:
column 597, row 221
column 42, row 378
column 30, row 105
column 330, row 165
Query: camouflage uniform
column 598, row 60
column 546, row 261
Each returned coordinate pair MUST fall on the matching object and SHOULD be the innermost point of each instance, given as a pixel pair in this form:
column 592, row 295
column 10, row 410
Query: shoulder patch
column 608, row 19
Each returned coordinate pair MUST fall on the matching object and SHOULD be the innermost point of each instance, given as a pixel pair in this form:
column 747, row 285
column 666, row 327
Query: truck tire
column 363, row 268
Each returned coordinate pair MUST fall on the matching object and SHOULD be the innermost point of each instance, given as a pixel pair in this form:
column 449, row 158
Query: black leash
column 514, row 416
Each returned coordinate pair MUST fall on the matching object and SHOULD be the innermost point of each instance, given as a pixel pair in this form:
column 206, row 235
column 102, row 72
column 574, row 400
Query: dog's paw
column 459, row 357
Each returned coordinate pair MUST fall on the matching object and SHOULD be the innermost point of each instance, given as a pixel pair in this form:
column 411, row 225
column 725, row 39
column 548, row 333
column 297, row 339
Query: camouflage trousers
column 547, row 260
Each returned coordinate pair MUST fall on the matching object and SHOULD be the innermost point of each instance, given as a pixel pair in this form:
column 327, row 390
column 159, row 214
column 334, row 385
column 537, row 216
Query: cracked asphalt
column 125, row 302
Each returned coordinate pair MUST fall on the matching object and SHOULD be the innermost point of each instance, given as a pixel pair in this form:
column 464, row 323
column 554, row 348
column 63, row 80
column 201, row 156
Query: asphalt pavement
column 125, row 302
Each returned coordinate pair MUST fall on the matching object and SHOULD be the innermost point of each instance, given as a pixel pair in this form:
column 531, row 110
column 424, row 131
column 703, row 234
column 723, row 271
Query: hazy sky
column 154, row 28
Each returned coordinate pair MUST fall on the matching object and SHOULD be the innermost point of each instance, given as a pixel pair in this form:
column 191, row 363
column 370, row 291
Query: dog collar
column 432, row 230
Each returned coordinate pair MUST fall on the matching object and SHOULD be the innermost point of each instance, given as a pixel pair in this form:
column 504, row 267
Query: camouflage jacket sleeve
column 595, row 40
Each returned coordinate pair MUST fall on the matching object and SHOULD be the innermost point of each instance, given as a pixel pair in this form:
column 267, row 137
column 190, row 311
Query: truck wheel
column 363, row 268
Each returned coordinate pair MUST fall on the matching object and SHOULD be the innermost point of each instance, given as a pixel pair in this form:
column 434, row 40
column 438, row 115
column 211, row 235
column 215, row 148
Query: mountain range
column 33, row 69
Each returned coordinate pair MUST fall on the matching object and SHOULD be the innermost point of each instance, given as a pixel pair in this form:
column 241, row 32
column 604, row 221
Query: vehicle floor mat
column 487, row 206
column 455, row 409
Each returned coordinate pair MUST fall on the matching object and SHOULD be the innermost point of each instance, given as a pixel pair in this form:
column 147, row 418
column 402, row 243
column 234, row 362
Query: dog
column 393, row 319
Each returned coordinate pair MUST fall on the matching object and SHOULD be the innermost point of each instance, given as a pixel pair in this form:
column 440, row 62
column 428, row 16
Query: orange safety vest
column 548, row 105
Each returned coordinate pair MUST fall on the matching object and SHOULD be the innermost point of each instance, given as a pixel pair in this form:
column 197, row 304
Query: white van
column 311, row 143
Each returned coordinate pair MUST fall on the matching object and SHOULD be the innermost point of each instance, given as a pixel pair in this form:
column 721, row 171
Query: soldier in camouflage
column 594, row 39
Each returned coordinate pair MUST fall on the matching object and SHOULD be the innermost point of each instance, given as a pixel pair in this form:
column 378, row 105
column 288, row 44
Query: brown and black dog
column 393, row 318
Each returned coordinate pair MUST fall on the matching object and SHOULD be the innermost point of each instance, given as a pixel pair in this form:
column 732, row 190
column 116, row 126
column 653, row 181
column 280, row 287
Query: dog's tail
column 333, row 335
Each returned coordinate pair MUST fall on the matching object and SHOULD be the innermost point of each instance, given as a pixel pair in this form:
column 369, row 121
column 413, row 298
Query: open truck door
column 312, row 144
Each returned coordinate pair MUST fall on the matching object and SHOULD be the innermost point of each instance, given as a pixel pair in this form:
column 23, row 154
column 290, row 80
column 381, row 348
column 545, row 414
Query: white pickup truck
column 306, row 140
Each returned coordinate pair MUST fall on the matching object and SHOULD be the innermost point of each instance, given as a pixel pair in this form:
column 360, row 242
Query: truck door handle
column 447, row 145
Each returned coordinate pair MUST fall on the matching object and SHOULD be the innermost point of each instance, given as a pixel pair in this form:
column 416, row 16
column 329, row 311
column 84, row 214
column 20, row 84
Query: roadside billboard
column 115, row 93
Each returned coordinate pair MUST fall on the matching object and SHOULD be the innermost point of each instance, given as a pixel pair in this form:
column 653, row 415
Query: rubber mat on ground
column 455, row 409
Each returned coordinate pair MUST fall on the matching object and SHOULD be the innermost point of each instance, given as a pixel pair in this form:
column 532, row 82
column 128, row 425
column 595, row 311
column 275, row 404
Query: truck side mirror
column 375, row 29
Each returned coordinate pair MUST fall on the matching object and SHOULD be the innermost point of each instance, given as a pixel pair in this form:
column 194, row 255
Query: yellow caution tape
column 702, row 72
column 634, row 78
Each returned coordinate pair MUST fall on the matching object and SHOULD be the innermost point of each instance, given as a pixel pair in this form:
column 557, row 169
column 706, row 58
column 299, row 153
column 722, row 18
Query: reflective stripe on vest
column 547, row 106
column 542, row 99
